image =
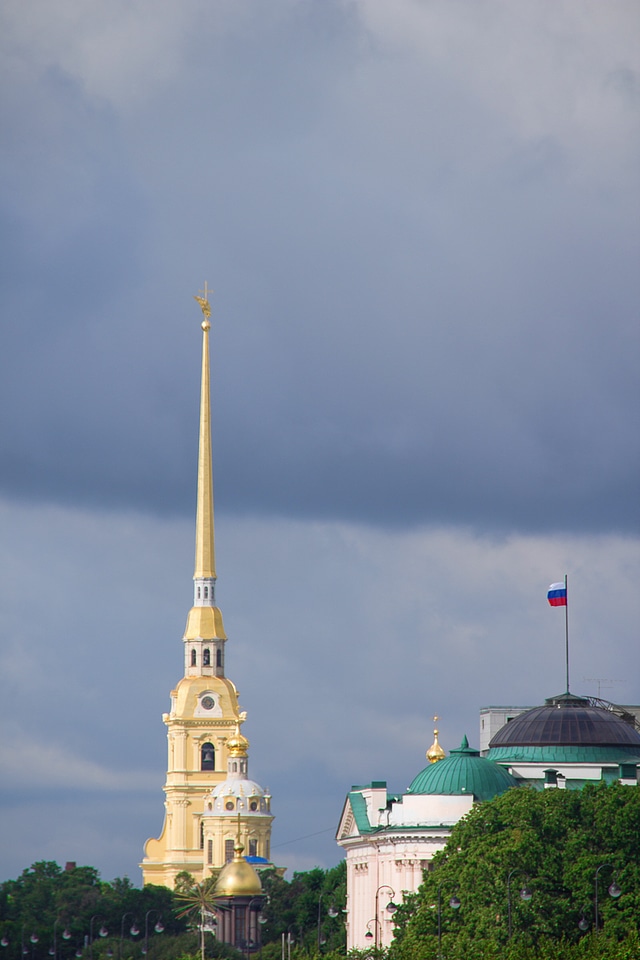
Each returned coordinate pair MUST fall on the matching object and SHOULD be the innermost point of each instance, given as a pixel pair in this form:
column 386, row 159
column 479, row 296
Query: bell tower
column 204, row 713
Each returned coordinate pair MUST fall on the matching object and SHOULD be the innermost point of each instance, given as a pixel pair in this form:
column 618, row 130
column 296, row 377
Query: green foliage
column 48, row 903
column 552, row 841
column 300, row 908
column 45, row 896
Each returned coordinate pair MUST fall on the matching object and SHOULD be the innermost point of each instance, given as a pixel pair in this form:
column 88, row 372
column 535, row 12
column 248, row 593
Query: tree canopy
column 72, row 908
column 547, row 843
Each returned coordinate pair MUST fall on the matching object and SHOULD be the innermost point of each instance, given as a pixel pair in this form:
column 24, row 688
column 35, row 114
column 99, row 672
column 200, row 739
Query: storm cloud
column 420, row 224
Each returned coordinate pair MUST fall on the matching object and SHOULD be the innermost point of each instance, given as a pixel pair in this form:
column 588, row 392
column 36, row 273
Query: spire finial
column 203, row 300
column 205, row 563
column 435, row 751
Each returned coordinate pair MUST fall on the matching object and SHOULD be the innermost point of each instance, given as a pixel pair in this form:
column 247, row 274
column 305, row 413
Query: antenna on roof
column 601, row 681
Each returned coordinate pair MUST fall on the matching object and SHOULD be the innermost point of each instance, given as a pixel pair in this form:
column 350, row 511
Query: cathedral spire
column 205, row 564
column 204, row 622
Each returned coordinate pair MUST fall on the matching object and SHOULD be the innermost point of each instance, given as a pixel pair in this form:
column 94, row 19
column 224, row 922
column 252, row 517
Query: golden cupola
column 238, row 878
column 237, row 745
column 435, row 751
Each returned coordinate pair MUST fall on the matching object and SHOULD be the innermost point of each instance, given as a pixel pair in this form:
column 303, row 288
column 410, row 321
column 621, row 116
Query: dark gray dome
column 567, row 721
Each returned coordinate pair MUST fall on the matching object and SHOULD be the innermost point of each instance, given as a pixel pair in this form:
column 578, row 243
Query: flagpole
column 566, row 628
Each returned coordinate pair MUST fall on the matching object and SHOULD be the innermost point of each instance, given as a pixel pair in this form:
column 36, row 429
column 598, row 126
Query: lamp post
column 332, row 912
column 525, row 894
column 454, row 903
column 134, row 930
column 368, row 934
column 66, row 935
column 614, row 891
column 102, row 932
column 158, row 928
column 33, row 939
column 391, row 908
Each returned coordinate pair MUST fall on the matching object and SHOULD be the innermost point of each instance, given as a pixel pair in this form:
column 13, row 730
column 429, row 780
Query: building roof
column 567, row 721
column 238, row 878
column 464, row 771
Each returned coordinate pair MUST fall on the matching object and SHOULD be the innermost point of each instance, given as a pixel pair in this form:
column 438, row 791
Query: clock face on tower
column 208, row 703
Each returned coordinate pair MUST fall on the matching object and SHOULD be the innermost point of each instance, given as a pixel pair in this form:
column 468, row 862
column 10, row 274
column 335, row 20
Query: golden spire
column 435, row 751
column 205, row 565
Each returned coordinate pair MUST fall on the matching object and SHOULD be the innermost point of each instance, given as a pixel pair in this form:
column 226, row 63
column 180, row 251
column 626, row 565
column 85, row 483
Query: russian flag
column 557, row 595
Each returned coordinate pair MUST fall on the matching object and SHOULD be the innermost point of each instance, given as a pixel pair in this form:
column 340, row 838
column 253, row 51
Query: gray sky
column 420, row 222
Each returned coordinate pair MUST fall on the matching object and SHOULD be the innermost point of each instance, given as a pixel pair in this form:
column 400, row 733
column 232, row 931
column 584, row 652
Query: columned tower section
column 204, row 712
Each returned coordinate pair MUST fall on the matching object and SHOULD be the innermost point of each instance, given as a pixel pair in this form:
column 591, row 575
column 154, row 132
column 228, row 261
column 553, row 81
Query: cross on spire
column 203, row 300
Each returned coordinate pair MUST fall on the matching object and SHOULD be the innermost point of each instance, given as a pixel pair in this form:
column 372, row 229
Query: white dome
column 238, row 788
column 237, row 795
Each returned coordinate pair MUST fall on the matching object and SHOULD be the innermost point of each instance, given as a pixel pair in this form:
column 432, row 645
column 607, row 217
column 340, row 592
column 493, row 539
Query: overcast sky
column 420, row 220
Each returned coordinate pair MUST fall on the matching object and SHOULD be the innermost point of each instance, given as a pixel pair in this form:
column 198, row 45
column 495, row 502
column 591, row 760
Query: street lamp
column 368, row 935
column 455, row 904
column 332, row 912
column 613, row 890
column 390, row 908
column 32, row 939
column 66, row 935
column 159, row 927
column 134, row 930
column 102, row 932
column 525, row 894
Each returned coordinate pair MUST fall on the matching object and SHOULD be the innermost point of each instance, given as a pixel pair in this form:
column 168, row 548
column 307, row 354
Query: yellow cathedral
column 210, row 803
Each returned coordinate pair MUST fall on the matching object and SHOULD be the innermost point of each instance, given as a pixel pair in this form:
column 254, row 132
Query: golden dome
column 237, row 745
column 238, row 878
column 435, row 751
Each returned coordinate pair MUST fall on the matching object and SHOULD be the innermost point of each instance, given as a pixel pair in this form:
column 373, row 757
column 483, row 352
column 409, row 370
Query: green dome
column 464, row 771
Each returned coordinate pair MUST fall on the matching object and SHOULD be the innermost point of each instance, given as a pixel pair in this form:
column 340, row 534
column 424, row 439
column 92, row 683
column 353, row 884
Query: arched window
column 198, row 593
column 206, row 593
column 193, row 658
column 201, row 835
column 207, row 757
column 206, row 657
column 218, row 657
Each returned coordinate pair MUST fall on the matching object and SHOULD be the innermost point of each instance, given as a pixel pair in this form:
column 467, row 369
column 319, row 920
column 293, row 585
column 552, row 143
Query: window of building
column 206, row 593
column 201, row 835
column 218, row 657
column 240, row 923
column 206, row 657
column 209, row 851
column 193, row 658
column 253, row 848
column 228, row 850
column 207, row 757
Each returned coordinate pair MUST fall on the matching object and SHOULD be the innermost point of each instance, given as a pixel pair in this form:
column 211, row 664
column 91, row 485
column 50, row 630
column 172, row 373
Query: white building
column 390, row 839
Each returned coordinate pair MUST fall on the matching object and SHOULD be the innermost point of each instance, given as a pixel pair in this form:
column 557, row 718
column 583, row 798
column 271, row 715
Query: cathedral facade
column 203, row 723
